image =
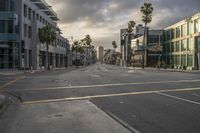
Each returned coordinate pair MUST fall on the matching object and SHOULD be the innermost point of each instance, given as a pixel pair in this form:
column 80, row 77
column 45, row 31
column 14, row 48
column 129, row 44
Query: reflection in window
column 177, row 46
column 191, row 44
column 183, row 60
column 184, row 45
column 178, row 32
column 184, row 30
column 190, row 60
column 6, row 26
column 191, row 27
column 6, row 5
column 197, row 25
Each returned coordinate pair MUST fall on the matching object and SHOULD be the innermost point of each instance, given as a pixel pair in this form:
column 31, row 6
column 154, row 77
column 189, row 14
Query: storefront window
column 190, row 60
column 177, row 60
column 183, row 60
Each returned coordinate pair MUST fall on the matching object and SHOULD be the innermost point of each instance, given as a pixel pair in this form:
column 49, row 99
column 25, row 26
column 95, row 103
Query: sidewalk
column 162, row 69
column 12, row 72
column 61, row 117
column 5, row 101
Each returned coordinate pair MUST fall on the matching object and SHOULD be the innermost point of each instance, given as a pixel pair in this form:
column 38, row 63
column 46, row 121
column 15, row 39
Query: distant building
column 100, row 53
column 154, row 48
column 125, row 43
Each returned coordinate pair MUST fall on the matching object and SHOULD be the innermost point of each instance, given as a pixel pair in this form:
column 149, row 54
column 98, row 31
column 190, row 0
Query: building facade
column 100, row 53
column 181, row 45
column 125, row 43
column 19, row 43
column 154, row 49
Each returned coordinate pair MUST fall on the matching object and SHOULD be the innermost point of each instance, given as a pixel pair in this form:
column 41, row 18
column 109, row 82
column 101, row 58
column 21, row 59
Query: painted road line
column 107, row 95
column 107, row 85
column 178, row 98
column 11, row 82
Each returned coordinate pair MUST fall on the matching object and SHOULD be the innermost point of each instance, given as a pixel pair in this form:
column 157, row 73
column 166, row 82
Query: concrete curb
column 169, row 70
column 5, row 101
column 2, row 100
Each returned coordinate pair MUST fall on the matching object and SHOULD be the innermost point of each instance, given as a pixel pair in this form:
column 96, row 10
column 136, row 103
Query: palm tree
column 131, row 25
column 47, row 35
column 114, row 44
column 87, row 42
column 147, row 10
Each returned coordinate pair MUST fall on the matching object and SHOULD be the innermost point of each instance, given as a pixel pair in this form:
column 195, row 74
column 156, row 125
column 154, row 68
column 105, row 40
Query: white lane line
column 107, row 85
column 178, row 98
column 107, row 95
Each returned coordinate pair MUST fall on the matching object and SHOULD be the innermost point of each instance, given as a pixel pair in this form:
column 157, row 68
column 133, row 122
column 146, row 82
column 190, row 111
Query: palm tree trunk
column 144, row 55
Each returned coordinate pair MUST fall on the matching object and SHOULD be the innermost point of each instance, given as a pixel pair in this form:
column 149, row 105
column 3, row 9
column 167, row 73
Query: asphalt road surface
column 142, row 101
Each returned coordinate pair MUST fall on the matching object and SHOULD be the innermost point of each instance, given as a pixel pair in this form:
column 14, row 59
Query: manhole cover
column 58, row 115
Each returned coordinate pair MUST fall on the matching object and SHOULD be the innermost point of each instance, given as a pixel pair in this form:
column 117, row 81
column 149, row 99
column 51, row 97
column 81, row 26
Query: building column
column 63, row 60
column 46, row 64
column 58, row 60
column 53, row 60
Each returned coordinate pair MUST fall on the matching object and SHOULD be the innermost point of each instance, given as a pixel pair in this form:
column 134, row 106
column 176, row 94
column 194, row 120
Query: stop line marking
column 106, row 85
column 115, row 95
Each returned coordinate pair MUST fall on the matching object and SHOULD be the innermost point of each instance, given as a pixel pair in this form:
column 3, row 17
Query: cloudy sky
column 102, row 19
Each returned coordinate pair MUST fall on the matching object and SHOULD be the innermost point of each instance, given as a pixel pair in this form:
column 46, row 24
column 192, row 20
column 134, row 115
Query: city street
column 124, row 99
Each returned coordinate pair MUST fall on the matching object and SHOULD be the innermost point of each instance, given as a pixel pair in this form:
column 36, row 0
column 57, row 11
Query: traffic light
column 22, row 46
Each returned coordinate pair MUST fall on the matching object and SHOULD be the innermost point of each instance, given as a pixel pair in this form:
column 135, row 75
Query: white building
column 19, row 43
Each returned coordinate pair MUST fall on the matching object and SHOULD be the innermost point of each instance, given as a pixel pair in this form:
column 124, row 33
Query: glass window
column 25, row 10
column 184, row 30
column 7, row 26
column 33, row 15
column 177, row 60
column 173, row 33
column 172, row 47
column 177, row 46
column 190, row 60
column 37, row 16
column 6, row 5
column 184, row 45
column 25, row 30
column 178, row 32
column 197, row 25
column 29, row 31
column 191, row 27
column 191, row 44
column 183, row 60
column 29, row 13
column 168, row 48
